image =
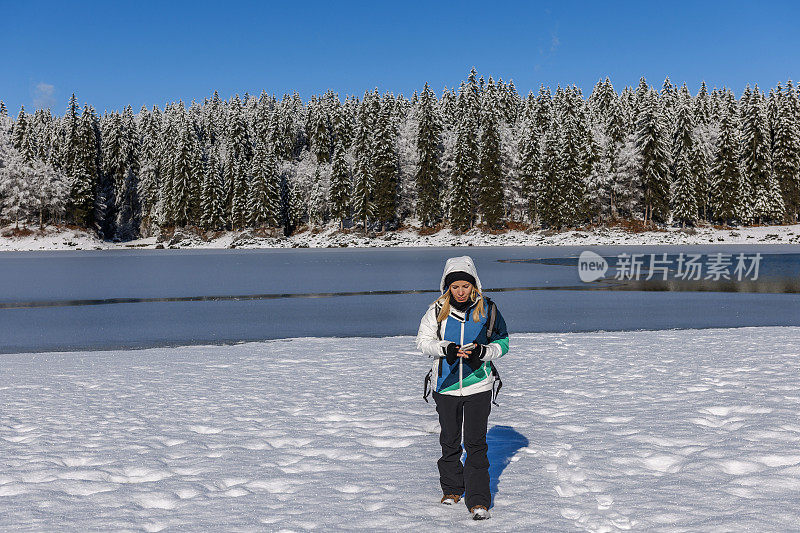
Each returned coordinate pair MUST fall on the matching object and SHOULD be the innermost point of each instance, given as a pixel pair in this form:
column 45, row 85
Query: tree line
column 478, row 155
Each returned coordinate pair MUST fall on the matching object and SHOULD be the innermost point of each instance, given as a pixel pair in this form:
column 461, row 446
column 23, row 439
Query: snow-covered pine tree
column 318, row 196
column 283, row 129
column 42, row 131
column 264, row 198
column 460, row 201
column 628, row 189
column 591, row 138
column 470, row 109
column 757, row 172
column 746, row 213
column 320, row 134
column 510, row 102
column 705, row 140
column 601, row 102
column 70, row 151
column 237, row 165
column 338, row 128
column 363, row 205
column 36, row 136
column 786, row 149
column 185, row 172
column 655, row 158
column 261, row 120
column 299, row 190
column 726, row 188
column 237, row 175
column 273, row 209
column 385, row 166
column 684, row 208
column 85, row 167
column 18, row 133
column 345, row 128
column 549, row 178
column 48, row 192
column 448, row 109
column 702, row 105
column 57, row 142
column 490, row 183
column 700, row 164
column 640, row 101
column 149, row 182
column 627, row 104
column 429, row 151
column 129, row 209
column 168, row 148
column 615, row 137
column 341, row 186
column 212, row 196
column 574, row 158
column 668, row 102
column 102, row 210
column 114, row 167
column 15, row 180
column 528, row 167
column 24, row 136
column 683, row 186
column 464, row 177
column 407, row 159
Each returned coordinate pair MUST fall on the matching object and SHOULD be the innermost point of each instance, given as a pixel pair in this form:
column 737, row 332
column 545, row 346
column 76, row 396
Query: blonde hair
column 444, row 300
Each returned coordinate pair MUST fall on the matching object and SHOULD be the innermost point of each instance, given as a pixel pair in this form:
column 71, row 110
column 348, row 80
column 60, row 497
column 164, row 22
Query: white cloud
column 43, row 96
column 554, row 42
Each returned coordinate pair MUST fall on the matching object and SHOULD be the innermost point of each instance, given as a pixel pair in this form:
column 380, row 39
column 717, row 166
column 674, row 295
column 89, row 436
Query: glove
column 451, row 353
column 475, row 356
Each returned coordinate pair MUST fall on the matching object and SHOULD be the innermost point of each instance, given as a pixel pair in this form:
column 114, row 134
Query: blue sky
column 116, row 53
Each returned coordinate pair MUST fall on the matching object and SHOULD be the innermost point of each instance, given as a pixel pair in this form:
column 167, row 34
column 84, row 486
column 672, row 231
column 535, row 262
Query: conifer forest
column 476, row 155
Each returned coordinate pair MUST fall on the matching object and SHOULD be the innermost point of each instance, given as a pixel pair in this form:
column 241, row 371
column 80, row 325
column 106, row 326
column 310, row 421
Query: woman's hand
column 473, row 356
column 452, row 353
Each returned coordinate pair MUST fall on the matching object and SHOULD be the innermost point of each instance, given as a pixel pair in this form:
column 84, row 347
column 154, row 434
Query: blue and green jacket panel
column 447, row 375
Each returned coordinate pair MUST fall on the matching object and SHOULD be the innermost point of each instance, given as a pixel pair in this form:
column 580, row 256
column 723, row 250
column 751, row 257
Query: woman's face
column 461, row 290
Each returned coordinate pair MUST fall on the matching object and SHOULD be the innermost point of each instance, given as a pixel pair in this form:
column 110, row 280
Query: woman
column 464, row 379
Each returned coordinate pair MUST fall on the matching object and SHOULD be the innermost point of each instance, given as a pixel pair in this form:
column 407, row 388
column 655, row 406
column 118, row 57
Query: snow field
column 677, row 430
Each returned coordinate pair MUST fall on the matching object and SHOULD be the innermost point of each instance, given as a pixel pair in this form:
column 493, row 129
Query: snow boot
column 450, row 499
column 479, row 512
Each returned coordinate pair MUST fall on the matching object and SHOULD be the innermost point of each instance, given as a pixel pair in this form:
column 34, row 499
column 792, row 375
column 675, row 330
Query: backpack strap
column 497, row 381
column 426, row 386
column 489, row 332
column 438, row 308
column 491, row 320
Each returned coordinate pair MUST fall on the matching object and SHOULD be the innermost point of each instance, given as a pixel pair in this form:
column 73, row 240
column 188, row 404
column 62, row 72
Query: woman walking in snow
column 464, row 332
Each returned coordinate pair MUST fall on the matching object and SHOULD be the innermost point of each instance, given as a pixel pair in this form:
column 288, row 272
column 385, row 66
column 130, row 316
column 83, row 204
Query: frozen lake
column 70, row 300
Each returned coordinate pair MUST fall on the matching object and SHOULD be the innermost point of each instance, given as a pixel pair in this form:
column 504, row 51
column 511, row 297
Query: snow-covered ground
column 676, row 430
column 53, row 238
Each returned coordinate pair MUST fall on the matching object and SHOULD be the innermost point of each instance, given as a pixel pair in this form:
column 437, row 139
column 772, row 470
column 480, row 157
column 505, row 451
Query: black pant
column 473, row 475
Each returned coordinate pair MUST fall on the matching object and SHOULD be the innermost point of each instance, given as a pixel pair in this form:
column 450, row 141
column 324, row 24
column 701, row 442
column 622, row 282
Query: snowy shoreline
column 59, row 238
column 678, row 430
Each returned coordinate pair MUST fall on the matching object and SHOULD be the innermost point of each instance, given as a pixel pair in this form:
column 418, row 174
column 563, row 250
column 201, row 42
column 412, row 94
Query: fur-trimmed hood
column 462, row 263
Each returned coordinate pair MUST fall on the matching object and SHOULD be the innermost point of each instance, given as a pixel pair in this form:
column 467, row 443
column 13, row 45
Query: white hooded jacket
column 433, row 338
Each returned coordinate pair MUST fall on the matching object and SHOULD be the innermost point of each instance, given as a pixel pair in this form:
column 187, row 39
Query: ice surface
column 675, row 430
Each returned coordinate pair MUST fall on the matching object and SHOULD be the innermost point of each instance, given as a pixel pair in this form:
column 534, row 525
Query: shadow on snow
column 504, row 442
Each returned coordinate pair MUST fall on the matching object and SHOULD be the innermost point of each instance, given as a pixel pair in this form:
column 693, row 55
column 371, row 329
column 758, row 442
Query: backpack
column 426, row 386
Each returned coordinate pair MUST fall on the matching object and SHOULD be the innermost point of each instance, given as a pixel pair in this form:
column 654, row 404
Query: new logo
column 591, row 266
